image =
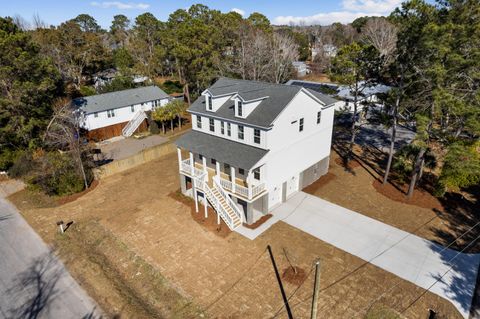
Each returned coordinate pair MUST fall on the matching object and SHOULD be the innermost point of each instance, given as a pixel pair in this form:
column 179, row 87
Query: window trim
column 229, row 129
column 300, row 125
column 222, row 127
column 240, row 108
column 319, row 117
column 256, row 173
column 241, row 132
column 256, row 139
column 211, row 125
column 209, row 102
column 199, row 122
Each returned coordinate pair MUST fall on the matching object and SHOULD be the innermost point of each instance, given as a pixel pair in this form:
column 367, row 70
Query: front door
column 275, row 196
column 292, row 185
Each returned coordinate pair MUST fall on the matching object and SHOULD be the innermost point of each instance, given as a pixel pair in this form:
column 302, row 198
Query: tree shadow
column 5, row 217
column 36, row 287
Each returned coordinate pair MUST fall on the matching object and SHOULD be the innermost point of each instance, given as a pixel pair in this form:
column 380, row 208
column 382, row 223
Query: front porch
column 243, row 186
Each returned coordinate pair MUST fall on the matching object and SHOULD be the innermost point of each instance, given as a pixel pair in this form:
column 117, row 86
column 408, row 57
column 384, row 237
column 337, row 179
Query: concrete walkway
column 408, row 256
column 33, row 282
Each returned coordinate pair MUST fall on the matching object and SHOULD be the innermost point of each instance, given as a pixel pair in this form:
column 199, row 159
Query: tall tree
column 119, row 29
column 87, row 23
column 28, row 83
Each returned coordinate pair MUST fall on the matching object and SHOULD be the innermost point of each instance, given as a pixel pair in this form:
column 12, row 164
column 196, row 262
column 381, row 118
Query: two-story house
column 118, row 113
column 253, row 145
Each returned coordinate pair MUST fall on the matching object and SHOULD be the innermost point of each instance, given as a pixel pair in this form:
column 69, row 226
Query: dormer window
column 239, row 108
column 209, row 102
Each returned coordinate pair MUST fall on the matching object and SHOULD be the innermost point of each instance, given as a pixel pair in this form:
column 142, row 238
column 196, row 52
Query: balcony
column 239, row 188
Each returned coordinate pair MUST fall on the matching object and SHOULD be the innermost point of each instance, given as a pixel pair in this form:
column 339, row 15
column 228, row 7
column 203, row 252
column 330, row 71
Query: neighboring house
column 253, row 145
column 119, row 113
column 301, row 68
column 342, row 92
column 325, row 50
column 104, row 77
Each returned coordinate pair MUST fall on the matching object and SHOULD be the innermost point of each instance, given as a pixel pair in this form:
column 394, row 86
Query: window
column 229, row 129
column 319, row 117
column 226, row 168
column 300, row 125
column 132, row 108
column 240, row 132
column 209, row 101
column 239, row 108
column 256, row 173
column 213, row 161
column 256, row 136
column 222, row 127
column 212, row 125
column 111, row 113
column 199, row 122
column 95, row 114
column 241, row 171
column 200, row 156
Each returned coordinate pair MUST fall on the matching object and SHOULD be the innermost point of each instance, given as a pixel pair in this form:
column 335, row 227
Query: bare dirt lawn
column 225, row 276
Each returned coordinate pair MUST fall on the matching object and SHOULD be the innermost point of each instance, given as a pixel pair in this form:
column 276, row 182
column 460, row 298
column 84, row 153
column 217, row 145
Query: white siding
column 292, row 151
column 122, row 114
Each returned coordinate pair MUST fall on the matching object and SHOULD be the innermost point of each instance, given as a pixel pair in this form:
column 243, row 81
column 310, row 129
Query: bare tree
column 382, row 35
column 63, row 133
column 284, row 52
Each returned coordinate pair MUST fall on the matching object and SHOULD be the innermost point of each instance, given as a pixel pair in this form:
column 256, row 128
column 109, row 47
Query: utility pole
column 284, row 296
column 316, row 288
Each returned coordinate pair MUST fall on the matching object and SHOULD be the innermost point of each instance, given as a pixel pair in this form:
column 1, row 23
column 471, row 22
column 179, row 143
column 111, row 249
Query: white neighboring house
column 119, row 113
column 301, row 68
column 253, row 145
column 342, row 92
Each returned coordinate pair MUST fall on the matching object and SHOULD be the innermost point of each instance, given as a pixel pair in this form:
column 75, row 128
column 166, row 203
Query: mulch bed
column 398, row 193
column 350, row 165
column 70, row 198
column 259, row 222
column 319, row 183
column 294, row 276
column 209, row 223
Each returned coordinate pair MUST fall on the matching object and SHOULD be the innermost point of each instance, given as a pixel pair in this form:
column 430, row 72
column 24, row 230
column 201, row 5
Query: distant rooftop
column 118, row 99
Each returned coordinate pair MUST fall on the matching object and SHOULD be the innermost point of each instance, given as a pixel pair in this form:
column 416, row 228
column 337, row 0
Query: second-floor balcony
column 237, row 186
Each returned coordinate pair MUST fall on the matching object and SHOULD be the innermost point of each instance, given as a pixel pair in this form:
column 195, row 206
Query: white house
column 119, row 113
column 253, row 145
column 301, row 68
column 369, row 93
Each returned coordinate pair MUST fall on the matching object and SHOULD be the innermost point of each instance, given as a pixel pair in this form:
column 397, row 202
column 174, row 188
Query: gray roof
column 225, row 151
column 114, row 100
column 277, row 97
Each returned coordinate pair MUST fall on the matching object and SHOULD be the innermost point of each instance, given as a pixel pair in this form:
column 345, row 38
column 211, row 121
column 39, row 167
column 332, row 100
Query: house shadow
column 36, row 288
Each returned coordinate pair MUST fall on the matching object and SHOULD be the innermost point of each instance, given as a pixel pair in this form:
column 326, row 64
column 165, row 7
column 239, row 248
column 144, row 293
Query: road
column 33, row 282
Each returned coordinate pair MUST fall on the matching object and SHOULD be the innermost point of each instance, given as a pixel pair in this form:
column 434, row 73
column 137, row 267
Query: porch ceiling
column 225, row 151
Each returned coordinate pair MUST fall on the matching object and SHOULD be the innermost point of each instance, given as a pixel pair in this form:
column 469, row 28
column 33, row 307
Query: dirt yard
column 229, row 276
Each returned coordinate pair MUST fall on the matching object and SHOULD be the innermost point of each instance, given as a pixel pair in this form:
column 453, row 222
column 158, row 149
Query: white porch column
column 205, row 205
column 192, row 163
column 217, row 167
column 249, row 183
column 204, row 163
column 179, row 153
column 232, row 172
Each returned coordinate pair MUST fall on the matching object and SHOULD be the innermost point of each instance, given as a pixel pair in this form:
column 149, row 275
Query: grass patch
column 30, row 198
column 122, row 283
column 382, row 312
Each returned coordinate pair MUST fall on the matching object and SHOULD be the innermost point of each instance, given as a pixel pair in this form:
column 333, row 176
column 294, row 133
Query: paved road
column 33, row 283
column 408, row 256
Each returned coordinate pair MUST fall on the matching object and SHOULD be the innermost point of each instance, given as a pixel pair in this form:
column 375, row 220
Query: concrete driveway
column 403, row 254
column 33, row 282
column 119, row 148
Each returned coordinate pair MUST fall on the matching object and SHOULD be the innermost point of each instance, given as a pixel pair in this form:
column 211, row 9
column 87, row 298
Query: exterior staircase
column 134, row 123
column 220, row 201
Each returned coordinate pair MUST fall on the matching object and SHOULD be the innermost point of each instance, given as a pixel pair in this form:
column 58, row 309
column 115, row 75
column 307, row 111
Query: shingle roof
column 277, row 97
column 223, row 150
column 114, row 100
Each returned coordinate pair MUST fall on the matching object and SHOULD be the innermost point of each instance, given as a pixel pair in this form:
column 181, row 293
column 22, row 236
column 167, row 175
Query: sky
column 306, row 12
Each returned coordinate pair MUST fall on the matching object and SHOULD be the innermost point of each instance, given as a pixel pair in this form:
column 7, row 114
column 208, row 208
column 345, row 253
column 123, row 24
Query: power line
column 441, row 277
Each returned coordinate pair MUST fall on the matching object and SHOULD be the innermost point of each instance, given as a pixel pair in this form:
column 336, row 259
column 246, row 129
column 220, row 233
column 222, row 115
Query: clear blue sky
column 278, row 11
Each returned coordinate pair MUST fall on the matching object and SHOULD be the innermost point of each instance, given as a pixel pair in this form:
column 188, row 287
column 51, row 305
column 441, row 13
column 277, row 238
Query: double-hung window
column 319, row 117
column 256, row 173
column 111, row 113
column 212, row 125
column 222, row 127
column 256, row 136
column 229, row 129
column 240, row 108
column 132, row 108
column 209, row 98
column 240, row 132
column 199, row 122
column 300, row 125
column 95, row 114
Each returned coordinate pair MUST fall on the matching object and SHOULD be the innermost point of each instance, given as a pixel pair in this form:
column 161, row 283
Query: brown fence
column 144, row 156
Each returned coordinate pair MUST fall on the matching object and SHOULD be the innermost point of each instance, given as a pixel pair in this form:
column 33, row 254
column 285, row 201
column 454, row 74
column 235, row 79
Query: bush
column 172, row 87
column 87, row 90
